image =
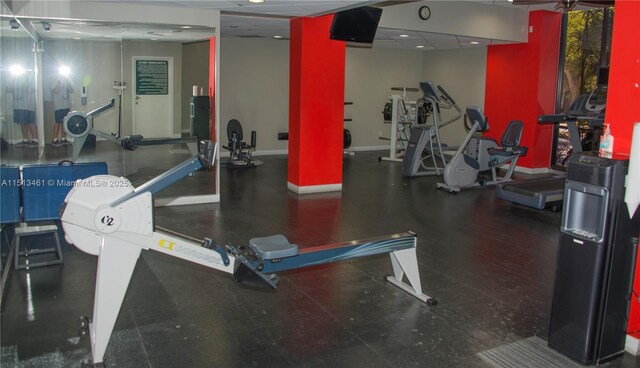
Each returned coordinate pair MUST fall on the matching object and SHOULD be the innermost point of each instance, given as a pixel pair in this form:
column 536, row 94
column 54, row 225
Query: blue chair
column 9, row 205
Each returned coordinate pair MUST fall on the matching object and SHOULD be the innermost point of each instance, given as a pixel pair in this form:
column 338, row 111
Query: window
column 586, row 45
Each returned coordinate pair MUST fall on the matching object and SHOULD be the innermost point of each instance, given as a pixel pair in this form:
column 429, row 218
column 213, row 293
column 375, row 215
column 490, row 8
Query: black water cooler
column 595, row 264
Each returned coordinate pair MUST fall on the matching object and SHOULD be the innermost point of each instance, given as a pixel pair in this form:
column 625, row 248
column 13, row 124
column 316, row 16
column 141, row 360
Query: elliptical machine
column 425, row 142
column 462, row 171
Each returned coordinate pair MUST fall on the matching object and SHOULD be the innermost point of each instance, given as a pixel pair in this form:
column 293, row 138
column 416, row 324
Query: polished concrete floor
column 489, row 263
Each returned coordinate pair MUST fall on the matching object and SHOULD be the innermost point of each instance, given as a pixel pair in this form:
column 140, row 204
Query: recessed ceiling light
column 474, row 42
column 186, row 27
column 153, row 39
column 256, row 1
column 404, row 35
column 277, row 36
column 419, row 47
column 77, row 38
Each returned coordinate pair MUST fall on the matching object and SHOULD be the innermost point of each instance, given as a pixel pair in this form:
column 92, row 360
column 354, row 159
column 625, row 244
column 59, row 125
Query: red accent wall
column 521, row 85
column 316, row 103
column 212, row 87
column 623, row 95
column 623, row 104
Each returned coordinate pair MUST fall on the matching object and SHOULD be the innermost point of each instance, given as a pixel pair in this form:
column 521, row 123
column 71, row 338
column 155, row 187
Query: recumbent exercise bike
column 239, row 151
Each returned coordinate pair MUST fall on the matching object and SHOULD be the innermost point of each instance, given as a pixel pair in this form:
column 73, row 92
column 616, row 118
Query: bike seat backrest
column 475, row 115
column 234, row 126
column 512, row 134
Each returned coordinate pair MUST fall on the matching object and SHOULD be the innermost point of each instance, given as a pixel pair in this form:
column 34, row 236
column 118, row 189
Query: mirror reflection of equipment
column 79, row 125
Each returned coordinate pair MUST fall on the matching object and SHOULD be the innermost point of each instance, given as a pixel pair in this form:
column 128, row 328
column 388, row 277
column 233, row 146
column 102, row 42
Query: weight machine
column 79, row 125
column 402, row 115
column 106, row 216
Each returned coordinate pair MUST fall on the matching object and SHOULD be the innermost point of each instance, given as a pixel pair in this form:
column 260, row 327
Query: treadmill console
column 597, row 100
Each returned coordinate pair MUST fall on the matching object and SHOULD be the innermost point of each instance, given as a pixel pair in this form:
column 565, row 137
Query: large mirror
column 84, row 92
column 137, row 78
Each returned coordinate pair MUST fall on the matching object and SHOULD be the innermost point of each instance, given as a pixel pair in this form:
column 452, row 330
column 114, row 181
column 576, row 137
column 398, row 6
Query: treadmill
column 549, row 192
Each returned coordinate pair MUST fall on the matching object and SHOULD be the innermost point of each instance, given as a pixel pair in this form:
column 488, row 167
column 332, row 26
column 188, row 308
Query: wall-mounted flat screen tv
column 356, row 25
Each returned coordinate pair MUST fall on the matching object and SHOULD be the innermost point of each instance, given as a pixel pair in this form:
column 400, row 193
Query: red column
column 212, row 87
column 521, row 85
column 623, row 95
column 623, row 104
column 316, row 106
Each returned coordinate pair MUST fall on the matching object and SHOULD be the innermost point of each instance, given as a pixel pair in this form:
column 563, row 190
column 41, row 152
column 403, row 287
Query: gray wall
column 255, row 87
column 462, row 73
column 370, row 74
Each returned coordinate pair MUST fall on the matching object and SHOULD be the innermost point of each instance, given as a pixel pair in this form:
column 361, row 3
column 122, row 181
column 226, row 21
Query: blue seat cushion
column 273, row 247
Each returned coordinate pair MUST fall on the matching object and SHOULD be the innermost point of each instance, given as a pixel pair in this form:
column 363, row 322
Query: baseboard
column 307, row 189
column 532, row 170
column 369, row 148
column 186, row 200
column 270, row 152
column 285, row 151
column 632, row 345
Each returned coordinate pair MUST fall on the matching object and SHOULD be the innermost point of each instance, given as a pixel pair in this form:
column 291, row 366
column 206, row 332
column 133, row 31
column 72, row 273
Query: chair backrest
column 10, row 195
column 475, row 115
column 512, row 134
column 46, row 186
column 234, row 126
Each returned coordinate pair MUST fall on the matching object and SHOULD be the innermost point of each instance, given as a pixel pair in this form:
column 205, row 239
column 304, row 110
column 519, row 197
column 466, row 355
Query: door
column 153, row 96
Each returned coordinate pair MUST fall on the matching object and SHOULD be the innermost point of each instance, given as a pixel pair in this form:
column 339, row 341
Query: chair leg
column 16, row 239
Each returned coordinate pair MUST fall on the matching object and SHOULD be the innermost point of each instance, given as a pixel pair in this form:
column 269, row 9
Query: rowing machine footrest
column 273, row 247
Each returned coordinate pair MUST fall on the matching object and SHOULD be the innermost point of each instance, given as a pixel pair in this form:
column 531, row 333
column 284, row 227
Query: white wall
column 462, row 73
column 370, row 74
column 254, row 88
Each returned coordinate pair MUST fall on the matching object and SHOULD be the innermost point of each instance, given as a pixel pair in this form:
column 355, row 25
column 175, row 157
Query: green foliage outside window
column 584, row 52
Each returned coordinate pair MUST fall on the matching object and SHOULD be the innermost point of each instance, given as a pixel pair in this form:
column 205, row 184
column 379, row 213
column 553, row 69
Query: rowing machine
column 106, row 216
column 79, row 125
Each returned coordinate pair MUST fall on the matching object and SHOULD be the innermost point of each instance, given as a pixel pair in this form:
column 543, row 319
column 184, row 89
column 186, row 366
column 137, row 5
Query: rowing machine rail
column 106, row 216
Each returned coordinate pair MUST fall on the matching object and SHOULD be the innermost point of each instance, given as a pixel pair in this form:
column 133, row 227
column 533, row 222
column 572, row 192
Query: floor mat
column 530, row 353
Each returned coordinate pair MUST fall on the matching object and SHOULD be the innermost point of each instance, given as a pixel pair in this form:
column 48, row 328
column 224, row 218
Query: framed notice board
column 152, row 77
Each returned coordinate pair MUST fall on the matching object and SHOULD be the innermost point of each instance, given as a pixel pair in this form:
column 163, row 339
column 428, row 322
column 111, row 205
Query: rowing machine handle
column 446, row 95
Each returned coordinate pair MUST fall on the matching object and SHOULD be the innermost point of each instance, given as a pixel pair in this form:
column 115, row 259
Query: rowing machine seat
column 273, row 247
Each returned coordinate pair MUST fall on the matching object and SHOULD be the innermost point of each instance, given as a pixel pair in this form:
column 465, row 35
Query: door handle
column 137, row 97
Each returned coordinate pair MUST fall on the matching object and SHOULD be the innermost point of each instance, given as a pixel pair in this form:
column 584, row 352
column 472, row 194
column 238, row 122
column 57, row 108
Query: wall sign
column 152, row 77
